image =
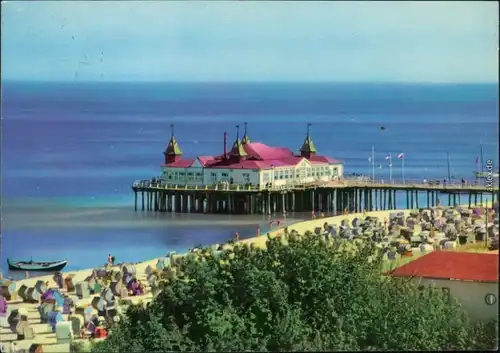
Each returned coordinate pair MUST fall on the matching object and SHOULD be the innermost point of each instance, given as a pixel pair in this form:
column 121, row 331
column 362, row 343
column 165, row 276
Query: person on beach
column 313, row 214
column 278, row 222
column 322, row 214
column 237, row 236
column 346, row 213
column 364, row 213
column 258, row 231
column 110, row 259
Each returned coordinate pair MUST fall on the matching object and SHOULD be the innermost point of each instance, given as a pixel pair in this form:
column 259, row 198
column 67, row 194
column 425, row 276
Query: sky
column 433, row 42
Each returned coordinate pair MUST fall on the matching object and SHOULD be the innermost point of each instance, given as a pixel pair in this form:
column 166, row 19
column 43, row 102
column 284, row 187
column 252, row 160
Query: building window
column 490, row 299
column 265, row 177
column 446, row 294
column 224, row 175
column 213, row 175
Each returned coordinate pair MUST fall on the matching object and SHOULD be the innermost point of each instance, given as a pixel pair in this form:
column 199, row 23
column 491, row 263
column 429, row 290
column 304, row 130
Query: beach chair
column 98, row 304
column 53, row 317
column 20, row 329
column 64, row 332
column 86, row 311
column 107, row 295
column 111, row 311
column 8, row 290
column 128, row 269
column 58, row 278
column 91, row 282
column 23, row 292
column 450, row 245
column 68, row 282
column 3, row 306
column 115, row 288
column 82, row 290
column 44, row 309
column 33, row 295
column 41, row 287
column 67, row 307
column 77, row 323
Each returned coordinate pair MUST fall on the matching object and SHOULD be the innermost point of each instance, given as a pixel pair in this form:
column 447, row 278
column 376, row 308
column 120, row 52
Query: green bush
column 307, row 295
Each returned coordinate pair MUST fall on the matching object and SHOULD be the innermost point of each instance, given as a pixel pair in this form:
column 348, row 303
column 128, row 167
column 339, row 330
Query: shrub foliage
column 299, row 294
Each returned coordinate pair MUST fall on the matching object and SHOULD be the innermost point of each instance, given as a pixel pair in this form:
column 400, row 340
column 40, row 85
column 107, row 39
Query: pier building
column 254, row 178
column 252, row 164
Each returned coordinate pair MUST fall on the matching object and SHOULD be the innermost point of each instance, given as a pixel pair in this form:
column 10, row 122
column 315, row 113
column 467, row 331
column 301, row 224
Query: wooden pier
column 328, row 197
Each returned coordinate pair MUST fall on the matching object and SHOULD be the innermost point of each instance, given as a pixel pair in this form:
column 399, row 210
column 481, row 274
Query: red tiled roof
column 260, row 156
column 264, row 152
column 181, row 163
column 452, row 265
column 204, row 160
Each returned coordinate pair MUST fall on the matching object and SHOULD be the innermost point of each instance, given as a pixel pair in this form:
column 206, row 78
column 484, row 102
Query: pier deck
column 352, row 194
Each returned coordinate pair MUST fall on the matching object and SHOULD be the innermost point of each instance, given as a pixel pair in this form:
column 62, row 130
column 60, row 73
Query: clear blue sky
column 443, row 42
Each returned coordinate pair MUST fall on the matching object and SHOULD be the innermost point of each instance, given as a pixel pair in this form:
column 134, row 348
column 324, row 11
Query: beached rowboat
column 36, row 265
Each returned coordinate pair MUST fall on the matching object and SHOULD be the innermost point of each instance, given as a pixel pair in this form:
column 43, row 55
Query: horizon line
column 5, row 80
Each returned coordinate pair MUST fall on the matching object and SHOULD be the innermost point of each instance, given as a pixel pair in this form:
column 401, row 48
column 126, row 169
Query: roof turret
column 308, row 148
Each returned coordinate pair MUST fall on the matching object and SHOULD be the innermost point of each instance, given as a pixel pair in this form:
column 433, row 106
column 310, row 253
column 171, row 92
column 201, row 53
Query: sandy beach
column 48, row 338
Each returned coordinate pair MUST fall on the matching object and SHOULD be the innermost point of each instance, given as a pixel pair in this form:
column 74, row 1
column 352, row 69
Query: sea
column 71, row 151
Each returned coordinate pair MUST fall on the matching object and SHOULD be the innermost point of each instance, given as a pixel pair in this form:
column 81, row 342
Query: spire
column 238, row 150
column 245, row 139
column 308, row 148
column 173, row 151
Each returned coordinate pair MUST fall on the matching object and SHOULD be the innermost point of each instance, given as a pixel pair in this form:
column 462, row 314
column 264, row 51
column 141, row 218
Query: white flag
column 401, row 155
column 369, row 159
column 388, row 156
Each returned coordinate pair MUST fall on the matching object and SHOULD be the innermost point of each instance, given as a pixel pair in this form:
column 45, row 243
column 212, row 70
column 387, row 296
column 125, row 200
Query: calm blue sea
column 70, row 151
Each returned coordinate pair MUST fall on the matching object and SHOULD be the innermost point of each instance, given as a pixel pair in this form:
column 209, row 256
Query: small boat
column 31, row 265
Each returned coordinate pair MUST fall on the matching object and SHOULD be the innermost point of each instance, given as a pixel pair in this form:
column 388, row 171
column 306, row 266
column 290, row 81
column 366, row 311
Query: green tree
column 301, row 293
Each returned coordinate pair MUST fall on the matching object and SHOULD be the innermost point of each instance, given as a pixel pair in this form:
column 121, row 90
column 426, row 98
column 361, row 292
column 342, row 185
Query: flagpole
column 390, row 168
column 403, row 168
column 373, row 163
column 482, row 162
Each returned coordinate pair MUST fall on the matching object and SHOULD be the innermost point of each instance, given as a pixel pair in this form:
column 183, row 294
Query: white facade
column 478, row 299
column 303, row 172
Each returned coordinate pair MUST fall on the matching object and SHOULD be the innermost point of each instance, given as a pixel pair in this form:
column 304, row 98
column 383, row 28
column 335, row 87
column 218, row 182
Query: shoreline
column 300, row 227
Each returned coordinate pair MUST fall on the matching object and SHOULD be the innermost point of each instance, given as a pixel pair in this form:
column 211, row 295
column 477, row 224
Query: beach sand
column 49, row 339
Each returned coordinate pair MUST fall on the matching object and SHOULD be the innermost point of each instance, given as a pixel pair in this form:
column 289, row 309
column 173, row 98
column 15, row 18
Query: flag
column 369, row 159
column 380, row 166
column 388, row 156
column 477, row 160
column 390, row 164
column 401, row 155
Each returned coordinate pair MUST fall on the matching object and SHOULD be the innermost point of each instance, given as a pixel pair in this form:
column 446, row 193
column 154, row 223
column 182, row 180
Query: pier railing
column 421, row 183
column 475, row 185
column 148, row 184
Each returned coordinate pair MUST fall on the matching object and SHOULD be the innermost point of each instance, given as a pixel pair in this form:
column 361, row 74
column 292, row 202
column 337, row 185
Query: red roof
column 479, row 267
column 181, row 163
column 260, row 156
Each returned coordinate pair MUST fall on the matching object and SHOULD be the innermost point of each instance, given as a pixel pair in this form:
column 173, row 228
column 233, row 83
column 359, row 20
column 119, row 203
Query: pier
column 329, row 197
